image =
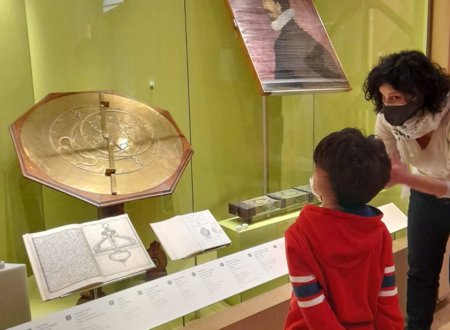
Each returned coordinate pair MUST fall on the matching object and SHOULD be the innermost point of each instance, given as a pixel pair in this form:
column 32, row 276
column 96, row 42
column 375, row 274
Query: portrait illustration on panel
column 288, row 46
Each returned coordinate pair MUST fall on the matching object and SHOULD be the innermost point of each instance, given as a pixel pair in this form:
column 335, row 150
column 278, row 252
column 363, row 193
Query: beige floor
column 442, row 316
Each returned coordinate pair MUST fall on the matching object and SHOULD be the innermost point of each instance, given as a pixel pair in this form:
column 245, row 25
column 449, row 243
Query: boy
column 339, row 254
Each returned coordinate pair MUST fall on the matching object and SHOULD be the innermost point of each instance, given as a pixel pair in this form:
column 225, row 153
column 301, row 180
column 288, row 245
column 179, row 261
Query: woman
column 411, row 97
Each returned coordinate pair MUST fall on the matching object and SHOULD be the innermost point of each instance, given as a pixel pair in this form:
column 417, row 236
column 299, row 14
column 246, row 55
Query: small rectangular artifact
column 255, row 206
column 307, row 188
column 291, row 197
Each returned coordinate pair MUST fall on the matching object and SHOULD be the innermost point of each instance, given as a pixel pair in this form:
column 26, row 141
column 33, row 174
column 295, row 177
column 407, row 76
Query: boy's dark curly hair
column 358, row 166
column 410, row 72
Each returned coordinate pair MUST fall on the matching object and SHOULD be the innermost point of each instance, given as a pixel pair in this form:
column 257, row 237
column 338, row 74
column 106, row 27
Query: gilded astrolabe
column 101, row 147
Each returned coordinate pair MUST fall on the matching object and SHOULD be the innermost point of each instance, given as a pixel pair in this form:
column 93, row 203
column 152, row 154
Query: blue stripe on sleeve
column 308, row 290
column 388, row 281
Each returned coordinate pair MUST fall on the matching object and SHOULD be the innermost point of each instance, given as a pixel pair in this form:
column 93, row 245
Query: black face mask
column 396, row 115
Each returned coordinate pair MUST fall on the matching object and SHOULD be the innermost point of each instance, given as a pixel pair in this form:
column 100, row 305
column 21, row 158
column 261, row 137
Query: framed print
column 288, row 46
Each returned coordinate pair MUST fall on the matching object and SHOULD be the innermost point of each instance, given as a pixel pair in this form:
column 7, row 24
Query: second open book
column 186, row 235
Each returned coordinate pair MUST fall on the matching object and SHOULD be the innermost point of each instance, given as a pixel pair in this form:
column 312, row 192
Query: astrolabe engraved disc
column 76, row 139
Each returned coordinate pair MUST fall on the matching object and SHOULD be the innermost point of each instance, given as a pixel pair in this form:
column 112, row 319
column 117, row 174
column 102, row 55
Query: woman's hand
column 399, row 173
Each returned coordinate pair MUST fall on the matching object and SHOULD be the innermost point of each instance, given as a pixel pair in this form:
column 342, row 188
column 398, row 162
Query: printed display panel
column 288, row 46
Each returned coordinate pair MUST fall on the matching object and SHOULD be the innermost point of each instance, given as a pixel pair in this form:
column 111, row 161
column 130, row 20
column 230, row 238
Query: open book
column 186, row 235
column 80, row 256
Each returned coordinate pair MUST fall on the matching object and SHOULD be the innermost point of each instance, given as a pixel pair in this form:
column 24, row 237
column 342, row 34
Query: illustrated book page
column 186, row 235
column 72, row 257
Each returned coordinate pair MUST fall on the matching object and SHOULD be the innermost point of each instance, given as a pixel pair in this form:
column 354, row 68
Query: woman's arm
column 401, row 174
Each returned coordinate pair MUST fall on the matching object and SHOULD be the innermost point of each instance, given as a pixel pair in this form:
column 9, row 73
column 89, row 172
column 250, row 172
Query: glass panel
column 361, row 32
column 225, row 109
column 184, row 56
column 21, row 202
column 136, row 49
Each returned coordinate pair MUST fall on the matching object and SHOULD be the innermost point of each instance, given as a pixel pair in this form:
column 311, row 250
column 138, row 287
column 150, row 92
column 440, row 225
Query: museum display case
column 185, row 56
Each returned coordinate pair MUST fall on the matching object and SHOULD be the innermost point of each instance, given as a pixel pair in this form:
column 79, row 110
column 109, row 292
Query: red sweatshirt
column 342, row 272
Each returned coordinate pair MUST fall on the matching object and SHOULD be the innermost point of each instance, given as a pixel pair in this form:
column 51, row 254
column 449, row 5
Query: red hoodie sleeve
column 311, row 301
column 388, row 316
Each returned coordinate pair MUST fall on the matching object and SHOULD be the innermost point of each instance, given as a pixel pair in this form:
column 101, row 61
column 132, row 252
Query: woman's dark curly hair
column 409, row 72
column 358, row 166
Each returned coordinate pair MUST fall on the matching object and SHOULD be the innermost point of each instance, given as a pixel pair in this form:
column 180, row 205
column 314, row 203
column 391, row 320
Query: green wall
column 21, row 199
column 202, row 76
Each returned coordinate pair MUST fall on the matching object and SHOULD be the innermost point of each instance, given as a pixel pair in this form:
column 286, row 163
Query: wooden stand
column 87, row 296
column 159, row 257
column 110, row 211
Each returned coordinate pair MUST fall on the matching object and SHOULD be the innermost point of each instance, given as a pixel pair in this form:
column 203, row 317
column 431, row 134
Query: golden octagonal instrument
column 101, row 147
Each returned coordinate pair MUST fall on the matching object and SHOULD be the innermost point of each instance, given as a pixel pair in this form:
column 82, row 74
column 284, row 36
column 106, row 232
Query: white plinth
column 14, row 304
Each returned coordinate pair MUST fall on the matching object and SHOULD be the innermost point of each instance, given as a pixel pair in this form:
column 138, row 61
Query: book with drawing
column 186, row 235
column 74, row 257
